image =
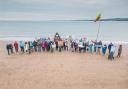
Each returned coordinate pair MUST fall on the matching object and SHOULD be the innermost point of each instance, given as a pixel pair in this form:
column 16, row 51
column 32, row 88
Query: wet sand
column 65, row 70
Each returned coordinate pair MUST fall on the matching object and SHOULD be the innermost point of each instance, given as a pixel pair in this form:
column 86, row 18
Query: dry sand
column 64, row 70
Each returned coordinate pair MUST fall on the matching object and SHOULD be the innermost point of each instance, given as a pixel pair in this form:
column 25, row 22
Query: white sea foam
column 34, row 38
column 115, row 42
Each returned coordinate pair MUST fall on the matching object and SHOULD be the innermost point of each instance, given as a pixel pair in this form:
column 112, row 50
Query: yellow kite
column 98, row 18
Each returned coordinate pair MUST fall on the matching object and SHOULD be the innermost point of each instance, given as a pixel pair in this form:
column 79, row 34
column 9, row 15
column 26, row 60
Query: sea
column 116, row 31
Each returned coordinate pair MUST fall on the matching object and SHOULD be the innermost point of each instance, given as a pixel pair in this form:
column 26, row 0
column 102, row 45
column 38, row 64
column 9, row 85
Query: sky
column 62, row 9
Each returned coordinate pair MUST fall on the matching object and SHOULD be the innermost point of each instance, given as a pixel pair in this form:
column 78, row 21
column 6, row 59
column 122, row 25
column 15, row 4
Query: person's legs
column 85, row 49
column 40, row 49
column 8, row 52
column 67, row 48
column 59, row 48
column 51, row 50
column 48, row 48
column 21, row 49
column 95, row 49
column 80, row 49
column 91, row 50
column 35, row 48
column 64, row 47
column 104, row 51
column 16, row 50
column 29, row 50
column 119, row 55
column 111, row 55
column 56, row 47
column 98, row 50
column 43, row 48
column 75, row 49
column 109, row 50
column 12, row 50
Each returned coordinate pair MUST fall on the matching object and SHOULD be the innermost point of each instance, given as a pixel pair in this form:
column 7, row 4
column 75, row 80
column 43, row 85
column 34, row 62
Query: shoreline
column 34, row 38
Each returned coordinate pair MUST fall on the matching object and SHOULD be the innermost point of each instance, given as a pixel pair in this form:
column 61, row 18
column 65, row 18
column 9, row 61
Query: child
column 104, row 48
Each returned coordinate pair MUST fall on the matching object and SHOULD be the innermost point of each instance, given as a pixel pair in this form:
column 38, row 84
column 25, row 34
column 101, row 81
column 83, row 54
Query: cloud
column 60, row 9
column 66, row 3
column 61, row 1
column 73, row 2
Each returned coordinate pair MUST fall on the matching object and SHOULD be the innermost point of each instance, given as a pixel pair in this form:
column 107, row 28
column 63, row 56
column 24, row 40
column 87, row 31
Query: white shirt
column 113, row 48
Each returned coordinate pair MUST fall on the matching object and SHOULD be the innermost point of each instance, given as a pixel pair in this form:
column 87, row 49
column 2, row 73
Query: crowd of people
column 67, row 44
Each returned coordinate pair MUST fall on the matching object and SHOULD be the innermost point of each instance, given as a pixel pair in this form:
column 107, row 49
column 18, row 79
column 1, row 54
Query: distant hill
column 115, row 19
column 111, row 19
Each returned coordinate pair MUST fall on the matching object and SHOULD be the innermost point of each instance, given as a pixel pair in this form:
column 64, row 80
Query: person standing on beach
column 53, row 46
column 56, row 42
column 22, row 46
column 119, row 51
column 29, row 47
column 60, row 44
column 95, row 45
column 26, row 46
column 69, row 44
column 73, row 46
column 112, row 51
column 56, row 39
column 81, row 45
column 43, row 45
column 76, row 46
column 8, row 49
column 85, row 46
column 16, row 46
column 90, row 47
column 35, row 45
column 11, row 48
column 39, row 45
column 99, row 46
column 104, row 48
column 109, row 47
column 46, row 44
column 66, row 44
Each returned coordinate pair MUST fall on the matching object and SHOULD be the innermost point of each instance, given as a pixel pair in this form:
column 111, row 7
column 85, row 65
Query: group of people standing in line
column 58, row 44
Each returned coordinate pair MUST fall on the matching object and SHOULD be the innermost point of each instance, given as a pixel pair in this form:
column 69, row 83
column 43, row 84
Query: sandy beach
column 65, row 70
